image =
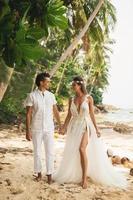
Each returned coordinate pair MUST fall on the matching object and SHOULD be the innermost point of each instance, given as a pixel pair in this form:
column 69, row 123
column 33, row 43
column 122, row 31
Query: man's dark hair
column 41, row 77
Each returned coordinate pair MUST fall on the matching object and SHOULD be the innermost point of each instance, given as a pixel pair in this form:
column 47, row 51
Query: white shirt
column 42, row 114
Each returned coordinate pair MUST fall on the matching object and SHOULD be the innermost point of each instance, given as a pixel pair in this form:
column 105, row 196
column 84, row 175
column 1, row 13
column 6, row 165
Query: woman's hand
column 98, row 133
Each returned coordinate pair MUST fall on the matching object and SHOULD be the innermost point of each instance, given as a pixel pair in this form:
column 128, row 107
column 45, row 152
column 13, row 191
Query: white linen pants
column 48, row 139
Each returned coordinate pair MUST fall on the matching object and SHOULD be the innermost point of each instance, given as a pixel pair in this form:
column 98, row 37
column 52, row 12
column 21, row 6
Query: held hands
column 62, row 130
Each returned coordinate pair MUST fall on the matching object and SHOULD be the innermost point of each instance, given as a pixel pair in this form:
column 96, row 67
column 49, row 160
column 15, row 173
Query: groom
column 40, row 106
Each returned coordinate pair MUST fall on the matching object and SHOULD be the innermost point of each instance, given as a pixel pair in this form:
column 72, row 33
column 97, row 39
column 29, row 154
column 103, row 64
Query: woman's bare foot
column 39, row 177
column 84, row 184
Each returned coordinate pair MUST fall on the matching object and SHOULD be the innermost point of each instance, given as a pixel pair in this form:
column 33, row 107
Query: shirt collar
column 40, row 92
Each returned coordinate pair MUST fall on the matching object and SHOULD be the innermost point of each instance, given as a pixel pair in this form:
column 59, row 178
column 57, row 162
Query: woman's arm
column 91, row 109
column 68, row 117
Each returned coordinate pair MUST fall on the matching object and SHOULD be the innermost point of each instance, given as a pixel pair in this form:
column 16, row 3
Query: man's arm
column 28, row 122
column 56, row 114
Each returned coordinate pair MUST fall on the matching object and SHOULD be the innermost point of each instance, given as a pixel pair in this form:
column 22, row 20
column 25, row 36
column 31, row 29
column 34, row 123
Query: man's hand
column 28, row 136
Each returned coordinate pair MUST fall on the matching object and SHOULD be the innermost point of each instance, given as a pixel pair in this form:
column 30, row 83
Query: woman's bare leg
column 83, row 157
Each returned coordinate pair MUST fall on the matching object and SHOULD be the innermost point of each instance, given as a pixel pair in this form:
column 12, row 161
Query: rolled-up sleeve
column 29, row 100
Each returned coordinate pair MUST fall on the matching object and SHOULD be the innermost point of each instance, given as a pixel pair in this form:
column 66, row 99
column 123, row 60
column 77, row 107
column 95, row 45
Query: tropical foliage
column 23, row 24
column 33, row 36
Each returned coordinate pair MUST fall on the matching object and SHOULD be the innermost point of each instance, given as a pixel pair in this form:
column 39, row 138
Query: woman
column 84, row 154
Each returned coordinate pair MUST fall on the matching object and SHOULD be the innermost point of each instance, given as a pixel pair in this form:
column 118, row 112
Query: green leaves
column 31, row 51
column 61, row 22
column 21, row 30
column 50, row 13
column 35, row 33
column 56, row 11
column 4, row 9
column 27, row 45
column 20, row 34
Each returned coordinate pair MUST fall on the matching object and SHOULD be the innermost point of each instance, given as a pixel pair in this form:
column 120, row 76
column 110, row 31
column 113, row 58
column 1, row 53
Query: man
column 40, row 106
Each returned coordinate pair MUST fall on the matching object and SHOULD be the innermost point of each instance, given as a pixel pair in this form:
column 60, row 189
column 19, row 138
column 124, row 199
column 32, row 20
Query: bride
column 84, row 154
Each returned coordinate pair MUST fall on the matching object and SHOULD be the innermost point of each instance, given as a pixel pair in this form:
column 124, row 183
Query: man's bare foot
column 39, row 177
column 49, row 179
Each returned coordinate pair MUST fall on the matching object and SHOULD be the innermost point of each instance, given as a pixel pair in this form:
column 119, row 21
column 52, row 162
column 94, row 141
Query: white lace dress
column 100, row 169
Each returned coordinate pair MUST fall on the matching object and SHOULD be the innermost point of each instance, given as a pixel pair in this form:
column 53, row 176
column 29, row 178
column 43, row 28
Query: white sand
column 16, row 171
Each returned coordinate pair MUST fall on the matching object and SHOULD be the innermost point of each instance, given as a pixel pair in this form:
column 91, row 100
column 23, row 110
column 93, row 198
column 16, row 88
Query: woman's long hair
column 80, row 82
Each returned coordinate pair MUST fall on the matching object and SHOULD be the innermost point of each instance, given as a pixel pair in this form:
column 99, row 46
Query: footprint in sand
column 97, row 198
column 5, row 163
column 8, row 181
column 17, row 190
column 3, row 150
column 2, row 156
column 1, row 168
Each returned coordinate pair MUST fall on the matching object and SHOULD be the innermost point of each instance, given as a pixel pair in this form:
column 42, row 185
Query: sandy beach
column 66, row 59
column 17, row 176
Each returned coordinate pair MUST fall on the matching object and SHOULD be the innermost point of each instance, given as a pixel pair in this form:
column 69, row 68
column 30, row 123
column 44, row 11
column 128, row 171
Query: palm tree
column 99, row 63
column 76, row 40
column 99, row 26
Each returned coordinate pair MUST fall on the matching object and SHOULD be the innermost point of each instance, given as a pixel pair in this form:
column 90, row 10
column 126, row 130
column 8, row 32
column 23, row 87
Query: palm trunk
column 79, row 21
column 33, row 83
column 93, row 84
column 75, row 42
column 38, row 66
column 4, row 84
column 61, row 78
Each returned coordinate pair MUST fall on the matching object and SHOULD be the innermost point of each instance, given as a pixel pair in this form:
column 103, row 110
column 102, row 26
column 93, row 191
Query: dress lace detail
column 100, row 169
